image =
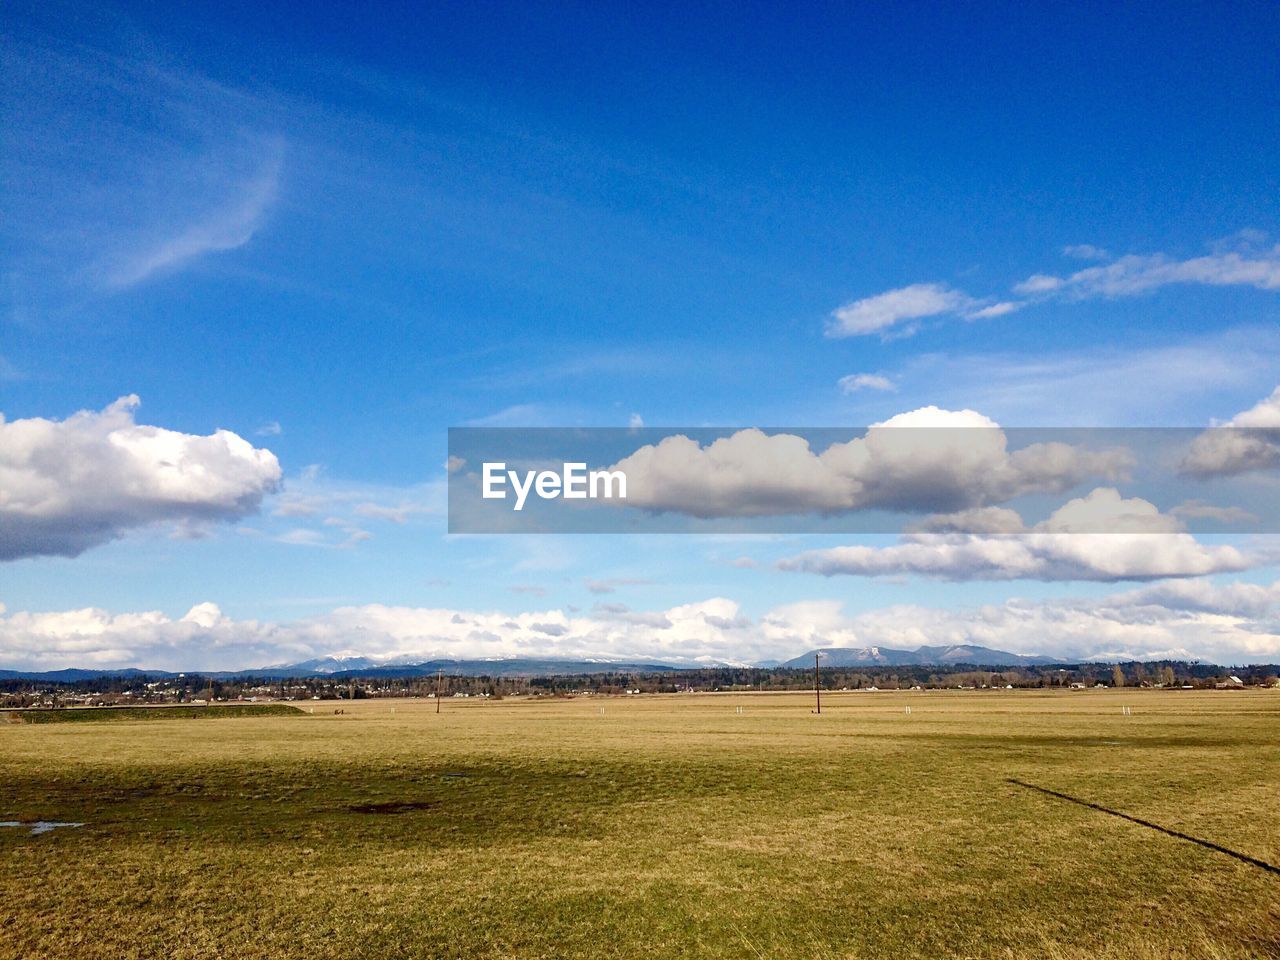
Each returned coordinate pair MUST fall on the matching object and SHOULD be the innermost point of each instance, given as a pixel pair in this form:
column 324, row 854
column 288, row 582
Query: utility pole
column 817, row 690
column 439, row 680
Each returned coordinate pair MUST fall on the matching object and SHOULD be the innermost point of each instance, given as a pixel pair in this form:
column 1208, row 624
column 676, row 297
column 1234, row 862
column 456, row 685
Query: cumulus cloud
column 1230, row 623
column 1248, row 441
column 68, row 485
column 928, row 460
column 865, row 381
column 1143, row 545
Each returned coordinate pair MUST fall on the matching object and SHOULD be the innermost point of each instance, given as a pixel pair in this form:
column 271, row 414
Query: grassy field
column 115, row 714
column 662, row 827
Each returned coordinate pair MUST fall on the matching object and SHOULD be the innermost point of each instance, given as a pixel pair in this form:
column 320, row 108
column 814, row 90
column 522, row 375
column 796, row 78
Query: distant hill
column 73, row 675
column 921, row 656
column 513, row 667
column 355, row 667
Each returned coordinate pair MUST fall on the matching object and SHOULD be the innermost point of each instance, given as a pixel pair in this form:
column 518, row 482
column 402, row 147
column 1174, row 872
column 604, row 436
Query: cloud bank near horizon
column 1192, row 619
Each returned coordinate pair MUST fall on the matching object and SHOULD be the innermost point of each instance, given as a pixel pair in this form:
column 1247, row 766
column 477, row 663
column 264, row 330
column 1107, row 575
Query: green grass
column 108, row 714
column 668, row 827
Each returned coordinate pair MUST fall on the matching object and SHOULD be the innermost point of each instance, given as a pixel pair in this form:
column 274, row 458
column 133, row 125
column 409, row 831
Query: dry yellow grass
column 666, row 827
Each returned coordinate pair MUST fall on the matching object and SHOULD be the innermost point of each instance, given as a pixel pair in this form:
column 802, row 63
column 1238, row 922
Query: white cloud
column 1135, row 274
column 635, row 422
column 890, row 313
column 271, row 428
column 1085, row 251
column 67, row 485
column 1229, row 624
column 865, row 381
column 1038, row 283
column 1248, row 441
column 1142, row 544
column 1001, row 309
column 880, row 313
column 711, row 630
column 323, row 511
column 922, row 461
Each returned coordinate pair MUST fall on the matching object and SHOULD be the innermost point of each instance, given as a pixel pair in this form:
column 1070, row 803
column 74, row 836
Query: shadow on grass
column 1243, row 857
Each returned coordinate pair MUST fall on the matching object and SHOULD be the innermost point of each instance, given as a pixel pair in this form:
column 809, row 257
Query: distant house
column 1230, row 683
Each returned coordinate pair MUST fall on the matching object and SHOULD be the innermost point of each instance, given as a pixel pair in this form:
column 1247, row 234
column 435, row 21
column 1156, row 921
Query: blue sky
column 336, row 233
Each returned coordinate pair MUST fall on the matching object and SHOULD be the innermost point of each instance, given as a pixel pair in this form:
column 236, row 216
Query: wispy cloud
column 1135, row 274
column 1243, row 260
column 227, row 225
column 894, row 308
column 865, row 381
column 132, row 167
column 1085, row 251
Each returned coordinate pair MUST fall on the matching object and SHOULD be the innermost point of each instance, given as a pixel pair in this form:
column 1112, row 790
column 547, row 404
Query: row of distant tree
column 194, row 688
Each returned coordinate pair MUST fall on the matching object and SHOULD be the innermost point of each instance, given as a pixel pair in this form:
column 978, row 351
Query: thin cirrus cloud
column 1186, row 619
column 1144, row 545
column 228, row 224
column 68, row 485
column 183, row 169
column 896, row 313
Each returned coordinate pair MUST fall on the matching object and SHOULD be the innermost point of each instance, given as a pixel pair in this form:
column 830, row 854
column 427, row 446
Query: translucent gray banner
column 882, row 479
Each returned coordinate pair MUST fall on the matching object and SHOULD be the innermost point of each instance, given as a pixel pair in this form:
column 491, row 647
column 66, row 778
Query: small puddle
column 391, row 807
column 38, row 826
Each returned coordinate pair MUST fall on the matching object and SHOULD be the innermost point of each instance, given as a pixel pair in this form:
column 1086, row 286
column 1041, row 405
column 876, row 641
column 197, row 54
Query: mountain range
column 920, row 657
column 353, row 667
